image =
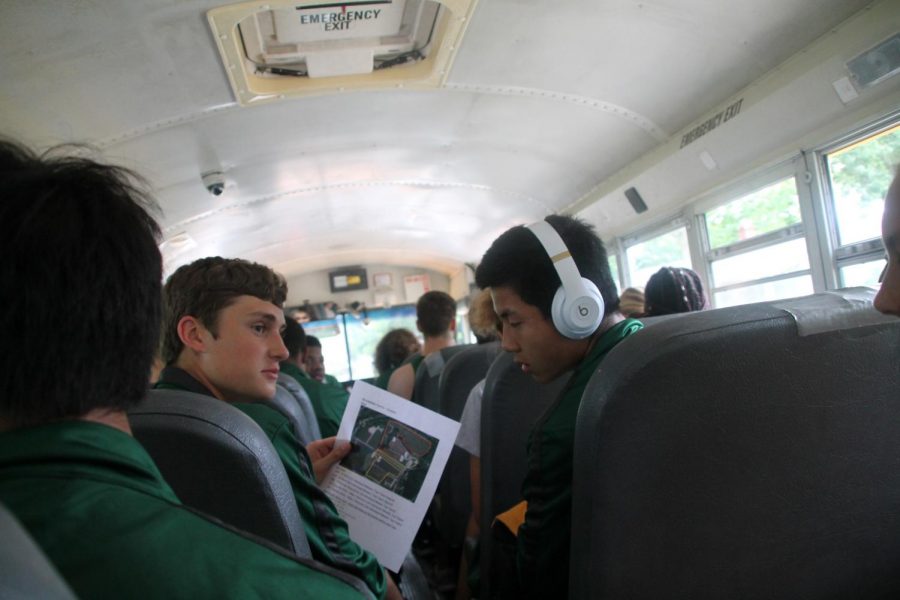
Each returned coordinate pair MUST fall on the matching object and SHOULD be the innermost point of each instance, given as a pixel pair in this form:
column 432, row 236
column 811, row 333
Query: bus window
column 857, row 176
column 756, row 247
column 614, row 268
column 864, row 273
column 667, row 250
column 771, row 208
column 358, row 334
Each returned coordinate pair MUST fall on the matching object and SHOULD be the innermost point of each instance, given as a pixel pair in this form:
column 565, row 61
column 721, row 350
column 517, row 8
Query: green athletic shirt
column 328, row 401
column 415, row 360
column 332, row 380
column 384, row 378
column 329, row 538
column 96, row 504
column 543, row 539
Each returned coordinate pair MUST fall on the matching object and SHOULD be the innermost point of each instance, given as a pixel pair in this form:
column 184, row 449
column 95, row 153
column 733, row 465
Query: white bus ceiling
column 548, row 106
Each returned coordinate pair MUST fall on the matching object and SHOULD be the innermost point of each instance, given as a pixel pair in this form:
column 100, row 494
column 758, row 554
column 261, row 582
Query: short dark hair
column 435, row 311
column 395, row 347
column 206, row 286
column 295, row 339
column 517, row 260
column 673, row 290
column 313, row 341
column 80, row 283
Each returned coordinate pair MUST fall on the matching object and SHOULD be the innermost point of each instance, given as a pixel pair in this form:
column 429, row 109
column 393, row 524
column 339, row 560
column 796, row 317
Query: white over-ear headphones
column 577, row 309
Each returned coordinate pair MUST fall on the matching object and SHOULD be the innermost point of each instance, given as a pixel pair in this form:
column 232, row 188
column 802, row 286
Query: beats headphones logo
column 583, row 310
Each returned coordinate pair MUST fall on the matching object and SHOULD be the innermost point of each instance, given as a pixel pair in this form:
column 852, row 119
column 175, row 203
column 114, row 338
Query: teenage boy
column 314, row 362
column 523, row 282
column 77, row 232
column 222, row 337
column 436, row 320
column 328, row 401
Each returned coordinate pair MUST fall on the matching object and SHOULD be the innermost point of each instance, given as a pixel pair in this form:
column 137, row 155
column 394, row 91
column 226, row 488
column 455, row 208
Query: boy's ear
column 190, row 332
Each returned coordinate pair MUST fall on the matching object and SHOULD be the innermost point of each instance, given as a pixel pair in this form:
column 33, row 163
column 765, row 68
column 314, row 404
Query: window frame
column 818, row 226
column 791, row 168
column 838, row 255
column 657, row 229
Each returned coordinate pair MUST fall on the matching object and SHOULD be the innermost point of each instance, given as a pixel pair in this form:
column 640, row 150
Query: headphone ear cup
column 578, row 318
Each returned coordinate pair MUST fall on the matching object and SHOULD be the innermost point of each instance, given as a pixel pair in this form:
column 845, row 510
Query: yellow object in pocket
column 513, row 518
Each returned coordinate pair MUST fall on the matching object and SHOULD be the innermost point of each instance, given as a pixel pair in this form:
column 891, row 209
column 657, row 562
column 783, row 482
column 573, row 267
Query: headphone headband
column 561, row 257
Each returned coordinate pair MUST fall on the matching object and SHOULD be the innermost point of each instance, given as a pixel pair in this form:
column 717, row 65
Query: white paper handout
column 384, row 486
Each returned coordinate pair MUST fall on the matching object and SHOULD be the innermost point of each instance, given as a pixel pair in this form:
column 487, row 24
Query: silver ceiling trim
column 651, row 128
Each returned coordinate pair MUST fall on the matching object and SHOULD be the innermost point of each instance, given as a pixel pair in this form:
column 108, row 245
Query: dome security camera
column 214, row 182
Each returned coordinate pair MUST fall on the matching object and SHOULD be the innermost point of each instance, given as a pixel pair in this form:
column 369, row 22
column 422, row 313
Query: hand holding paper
column 326, row 453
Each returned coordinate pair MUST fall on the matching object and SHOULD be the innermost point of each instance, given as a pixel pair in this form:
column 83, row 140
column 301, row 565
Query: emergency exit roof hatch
column 280, row 49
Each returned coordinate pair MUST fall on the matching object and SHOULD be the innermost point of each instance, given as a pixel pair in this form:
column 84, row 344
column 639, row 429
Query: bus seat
column 219, row 461
column 426, row 390
column 462, row 372
column 650, row 321
column 292, row 401
column 746, row 452
column 25, row 572
column 413, row 583
column 512, row 403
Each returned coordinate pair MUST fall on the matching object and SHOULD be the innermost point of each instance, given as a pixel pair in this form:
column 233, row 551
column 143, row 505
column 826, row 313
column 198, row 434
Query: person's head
column 482, row 318
column 294, row 340
column 436, row 314
column 313, row 359
column 523, row 282
column 222, row 323
column 396, row 346
column 80, row 281
column 631, row 302
column 888, row 298
column 673, row 290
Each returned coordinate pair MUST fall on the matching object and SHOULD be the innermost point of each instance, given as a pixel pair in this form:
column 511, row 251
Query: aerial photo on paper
column 390, row 453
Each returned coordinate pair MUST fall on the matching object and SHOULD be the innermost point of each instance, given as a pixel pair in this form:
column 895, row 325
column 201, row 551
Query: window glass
column 331, row 334
column 614, row 269
column 773, row 290
column 769, row 209
column 859, row 176
column 361, row 338
column 667, row 250
column 776, row 259
column 865, row 274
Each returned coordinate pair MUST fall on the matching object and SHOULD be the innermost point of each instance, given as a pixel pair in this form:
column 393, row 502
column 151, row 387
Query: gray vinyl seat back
column 426, row 389
column 746, row 452
column 25, row 572
column 651, row 321
column 462, row 372
column 292, row 401
column 219, row 461
column 511, row 404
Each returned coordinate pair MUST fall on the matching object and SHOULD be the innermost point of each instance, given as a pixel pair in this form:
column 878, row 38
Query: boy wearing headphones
column 554, row 293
